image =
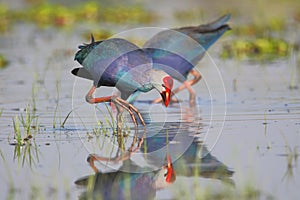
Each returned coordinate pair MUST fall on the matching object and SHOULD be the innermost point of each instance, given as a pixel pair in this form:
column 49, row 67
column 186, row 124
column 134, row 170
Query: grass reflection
column 291, row 154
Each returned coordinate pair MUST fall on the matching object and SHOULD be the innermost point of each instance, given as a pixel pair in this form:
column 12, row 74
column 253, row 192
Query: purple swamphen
column 178, row 50
column 118, row 63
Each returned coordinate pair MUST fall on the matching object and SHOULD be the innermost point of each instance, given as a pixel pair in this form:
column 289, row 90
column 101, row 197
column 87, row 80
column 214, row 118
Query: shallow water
column 256, row 146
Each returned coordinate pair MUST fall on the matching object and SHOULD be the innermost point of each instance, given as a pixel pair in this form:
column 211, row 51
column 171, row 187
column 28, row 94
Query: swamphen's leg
column 188, row 84
column 117, row 100
column 94, row 157
column 91, row 159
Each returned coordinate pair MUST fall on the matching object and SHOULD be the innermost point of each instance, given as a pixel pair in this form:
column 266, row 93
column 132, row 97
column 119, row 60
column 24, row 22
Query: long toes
column 131, row 107
column 134, row 120
column 141, row 118
column 143, row 122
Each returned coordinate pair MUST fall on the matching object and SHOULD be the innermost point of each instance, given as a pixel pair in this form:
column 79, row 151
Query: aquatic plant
column 20, row 141
column 29, row 121
column 57, row 84
column 129, row 14
column 260, row 49
column 102, row 127
column 3, row 60
column 109, row 120
column 53, row 14
column 291, row 154
column 4, row 18
column 62, row 125
column 49, row 14
column 99, row 128
column 17, row 131
column 262, row 28
column 119, row 127
column 89, row 11
column 25, row 129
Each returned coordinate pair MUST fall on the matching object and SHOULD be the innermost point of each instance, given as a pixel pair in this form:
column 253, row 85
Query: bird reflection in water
column 125, row 183
column 194, row 160
column 132, row 181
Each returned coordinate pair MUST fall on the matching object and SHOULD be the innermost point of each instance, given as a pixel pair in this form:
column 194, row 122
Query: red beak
column 166, row 95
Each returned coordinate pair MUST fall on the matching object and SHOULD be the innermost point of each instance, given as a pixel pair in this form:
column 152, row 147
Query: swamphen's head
column 85, row 49
column 163, row 83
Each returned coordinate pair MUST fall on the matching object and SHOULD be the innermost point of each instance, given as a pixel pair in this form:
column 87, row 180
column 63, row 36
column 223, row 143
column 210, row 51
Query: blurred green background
column 262, row 30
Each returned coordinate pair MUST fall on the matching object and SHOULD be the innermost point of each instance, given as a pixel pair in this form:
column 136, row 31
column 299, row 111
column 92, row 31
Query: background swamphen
column 177, row 51
column 118, row 63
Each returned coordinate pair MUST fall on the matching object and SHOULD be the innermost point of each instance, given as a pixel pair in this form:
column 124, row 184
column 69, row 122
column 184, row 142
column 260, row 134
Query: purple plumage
column 177, row 51
column 119, row 63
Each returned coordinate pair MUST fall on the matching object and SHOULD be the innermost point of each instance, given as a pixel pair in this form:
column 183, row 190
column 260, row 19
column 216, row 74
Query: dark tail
column 81, row 72
column 206, row 28
column 206, row 39
column 216, row 24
